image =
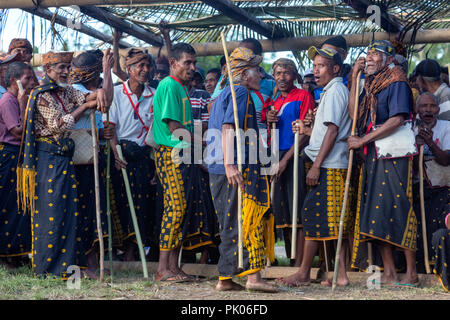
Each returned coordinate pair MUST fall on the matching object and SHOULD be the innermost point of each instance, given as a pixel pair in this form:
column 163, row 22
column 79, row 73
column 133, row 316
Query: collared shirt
column 122, row 115
column 443, row 96
column 9, row 118
column 53, row 106
column 332, row 109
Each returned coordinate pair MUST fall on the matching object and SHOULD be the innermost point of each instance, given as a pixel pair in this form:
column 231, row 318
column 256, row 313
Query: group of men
column 166, row 112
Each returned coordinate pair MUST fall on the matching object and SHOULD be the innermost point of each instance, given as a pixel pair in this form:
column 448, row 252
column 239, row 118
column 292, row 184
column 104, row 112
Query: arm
column 164, row 28
column 175, row 125
column 233, row 175
column 359, row 66
column 108, row 62
column 328, row 142
column 442, row 157
column 122, row 75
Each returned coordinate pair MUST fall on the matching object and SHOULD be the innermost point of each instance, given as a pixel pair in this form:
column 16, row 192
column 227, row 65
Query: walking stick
column 108, row 203
column 239, row 155
column 295, row 202
column 97, row 193
column 274, row 148
column 422, row 211
column 133, row 214
column 347, row 185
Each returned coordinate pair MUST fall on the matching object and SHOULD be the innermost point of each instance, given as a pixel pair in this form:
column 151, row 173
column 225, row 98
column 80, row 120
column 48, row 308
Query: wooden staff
column 239, row 155
column 347, row 185
column 97, row 192
column 422, row 212
column 108, row 202
column 295, row 200
column 274, row 148
column 133, row 214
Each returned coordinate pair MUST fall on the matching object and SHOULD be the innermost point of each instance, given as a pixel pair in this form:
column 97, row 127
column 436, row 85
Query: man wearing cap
column 15, row 236
column 22, row 47
column 46, row 176
column 292, row 104
column 385, row 213
column 129, row 122
column 257, row 221
column 429, row 79
column 324, row 165
column 85, row 77
column 5, row 60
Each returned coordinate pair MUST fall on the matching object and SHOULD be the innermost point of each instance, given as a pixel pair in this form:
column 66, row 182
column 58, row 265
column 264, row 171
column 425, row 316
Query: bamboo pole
column 239, row 155
column 133, row 214
column 108, row 200
column 295, row 200
column 97, row 194
column 422, row 211
column 347, row 185
column 275, row 150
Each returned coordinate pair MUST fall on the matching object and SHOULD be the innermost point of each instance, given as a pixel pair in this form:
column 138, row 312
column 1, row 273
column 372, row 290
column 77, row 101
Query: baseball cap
column 338, row 41
column 429, row 68
column 325, row 52
column 383, row 46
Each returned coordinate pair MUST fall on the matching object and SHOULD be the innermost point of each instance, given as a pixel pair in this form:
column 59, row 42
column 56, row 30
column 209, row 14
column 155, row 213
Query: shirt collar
column 147, row 93
column 332, row 82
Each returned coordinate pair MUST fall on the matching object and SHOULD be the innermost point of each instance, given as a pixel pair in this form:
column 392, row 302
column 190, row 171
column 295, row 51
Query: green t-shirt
column 170, row 103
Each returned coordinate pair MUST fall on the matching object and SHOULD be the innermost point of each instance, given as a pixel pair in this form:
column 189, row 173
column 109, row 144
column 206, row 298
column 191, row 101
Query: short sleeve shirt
column 222, row 113
column 122, row 115
column 441, row 137
column 9, row 118
column 171, row 103
column 332, row 109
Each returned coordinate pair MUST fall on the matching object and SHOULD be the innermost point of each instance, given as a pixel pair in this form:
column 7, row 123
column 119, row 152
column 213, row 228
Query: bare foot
column 261, row 286
column 294, row 280
column 412, row 280
column 90, row 274
column 228, row 285
column 388, row 279
column 339, row 283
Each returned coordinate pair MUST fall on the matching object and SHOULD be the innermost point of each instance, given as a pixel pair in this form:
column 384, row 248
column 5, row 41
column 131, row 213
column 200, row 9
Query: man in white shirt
column 129, row 123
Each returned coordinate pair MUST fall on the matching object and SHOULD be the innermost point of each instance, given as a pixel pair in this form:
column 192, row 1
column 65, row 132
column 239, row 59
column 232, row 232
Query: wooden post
column 97, row 193
column 133, row 214
column 422, row 211
column 239, row 155
column 347, row 185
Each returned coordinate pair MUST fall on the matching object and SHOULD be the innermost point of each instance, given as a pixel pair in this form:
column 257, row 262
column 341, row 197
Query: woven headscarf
column 241, row 59
column 287, row 64
column 19, row 43
column 57, row 57
column 135, row 56
column 86, row 72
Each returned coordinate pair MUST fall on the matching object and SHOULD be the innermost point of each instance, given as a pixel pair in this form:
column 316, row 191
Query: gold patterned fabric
column 57, row 57
column 241, row 59
column 19, row 43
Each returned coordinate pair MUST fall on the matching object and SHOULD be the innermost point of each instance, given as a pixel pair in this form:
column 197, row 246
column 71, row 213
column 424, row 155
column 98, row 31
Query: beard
column 63, row 84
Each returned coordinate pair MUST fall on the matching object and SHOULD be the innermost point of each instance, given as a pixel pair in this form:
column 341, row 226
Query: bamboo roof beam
column 48, row 15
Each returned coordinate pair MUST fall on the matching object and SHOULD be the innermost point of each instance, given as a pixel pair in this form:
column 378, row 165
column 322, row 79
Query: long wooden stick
column 347, row 186
column 108, row 201
column 295, row 200
column 275, row 151
column 239, row 155
column 133, row 215
column 97, row 193
column 422, row 212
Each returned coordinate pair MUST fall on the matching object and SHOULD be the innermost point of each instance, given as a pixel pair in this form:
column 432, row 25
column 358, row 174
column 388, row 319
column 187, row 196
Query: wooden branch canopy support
column 288, row 44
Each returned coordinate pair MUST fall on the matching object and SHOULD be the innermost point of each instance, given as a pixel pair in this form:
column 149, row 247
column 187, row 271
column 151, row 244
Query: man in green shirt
column 183, row 207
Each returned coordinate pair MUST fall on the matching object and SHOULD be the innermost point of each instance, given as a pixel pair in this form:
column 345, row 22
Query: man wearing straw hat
column 46, row 176
column 385, row 212
column 324, row 165
column 292, row 104
column 258, row 235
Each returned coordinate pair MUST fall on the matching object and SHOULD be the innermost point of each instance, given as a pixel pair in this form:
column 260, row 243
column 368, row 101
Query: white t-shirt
column 122, row 114
column 441, row 137
column 332, row 109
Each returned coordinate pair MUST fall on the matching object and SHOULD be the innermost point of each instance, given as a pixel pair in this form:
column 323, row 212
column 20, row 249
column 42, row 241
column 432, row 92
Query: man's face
column 323, row 70
column 284, row 78
column 24, row 52
column 308, row 82
column 28, row 80
column 375, row 62
column 251, row 79
column 428, row 109
column 211, row 82
column 197, row 81
column 59, row 72
column 184, row 68
column 140, row 71
column 160, row 74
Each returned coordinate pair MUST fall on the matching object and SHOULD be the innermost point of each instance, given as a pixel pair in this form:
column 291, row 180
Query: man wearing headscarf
column 85, row 77
column 385, row 212
column 257, row 221
column 291, row 104
column 22, row 47
column 46, row 177
column 129, row 123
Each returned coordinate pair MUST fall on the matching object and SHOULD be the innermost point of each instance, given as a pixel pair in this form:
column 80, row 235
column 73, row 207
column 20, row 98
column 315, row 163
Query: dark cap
column 429, row 68
column 338, row 41
column 325, row 52
column 383, row 46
